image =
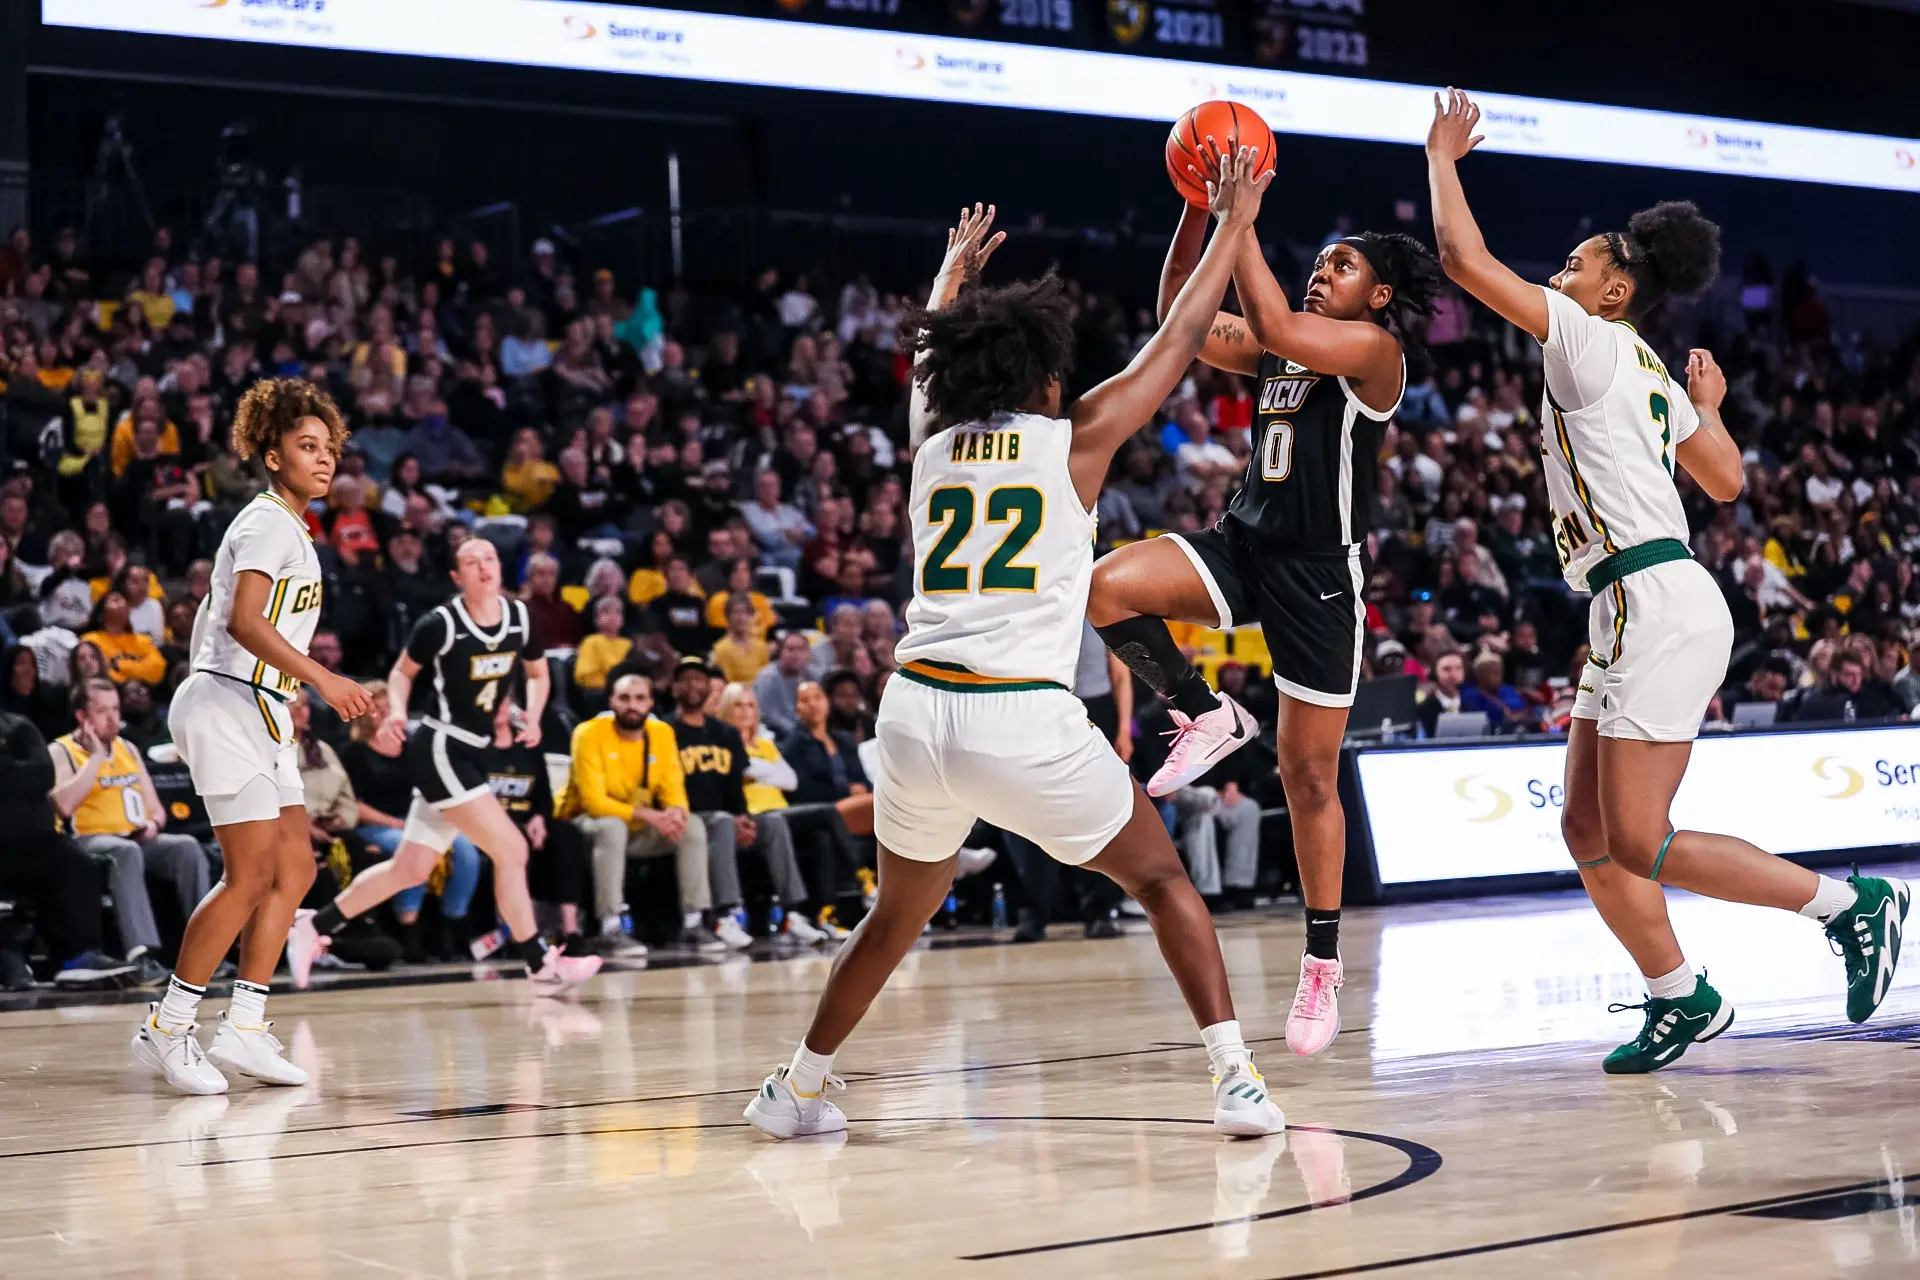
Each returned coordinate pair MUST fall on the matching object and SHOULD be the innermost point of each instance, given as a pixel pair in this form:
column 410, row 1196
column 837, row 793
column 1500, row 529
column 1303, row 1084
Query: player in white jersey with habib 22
column 981, row 722
column 1614, row 427
column 230, row 723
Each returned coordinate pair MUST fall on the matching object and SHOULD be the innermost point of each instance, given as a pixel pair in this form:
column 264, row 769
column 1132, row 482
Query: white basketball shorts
column 1027, row 761
column 1660, row 640
column 230, row 734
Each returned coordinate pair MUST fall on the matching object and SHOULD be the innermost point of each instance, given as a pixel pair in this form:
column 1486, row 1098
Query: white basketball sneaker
column 801, row 929
column 1314, row 1020
column 176, row 1056
column 779, row 1111
column 255, row 1052
column 1242, row 1108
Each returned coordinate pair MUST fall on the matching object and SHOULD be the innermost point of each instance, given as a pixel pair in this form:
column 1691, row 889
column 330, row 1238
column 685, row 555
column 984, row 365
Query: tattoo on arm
column 1230, row 331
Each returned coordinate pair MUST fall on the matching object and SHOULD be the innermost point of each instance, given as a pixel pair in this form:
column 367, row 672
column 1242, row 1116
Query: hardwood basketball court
column 1016, row 1111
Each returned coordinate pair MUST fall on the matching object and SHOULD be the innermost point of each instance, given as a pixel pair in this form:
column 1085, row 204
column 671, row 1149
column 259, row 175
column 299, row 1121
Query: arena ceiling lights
column 798, row 55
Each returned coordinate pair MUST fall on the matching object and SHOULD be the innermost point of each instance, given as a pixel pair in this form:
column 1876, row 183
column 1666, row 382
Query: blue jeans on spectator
column 463, row 874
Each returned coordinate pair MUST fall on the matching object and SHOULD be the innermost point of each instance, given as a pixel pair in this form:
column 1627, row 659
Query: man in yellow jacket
column 627, row 794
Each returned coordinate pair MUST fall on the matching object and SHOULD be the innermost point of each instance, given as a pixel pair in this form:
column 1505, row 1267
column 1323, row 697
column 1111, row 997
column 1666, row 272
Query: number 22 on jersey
column 1021, row 507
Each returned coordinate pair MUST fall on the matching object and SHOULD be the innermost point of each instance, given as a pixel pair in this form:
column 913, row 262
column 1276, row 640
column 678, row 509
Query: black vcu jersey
column 471, row 669
column 1290, row 553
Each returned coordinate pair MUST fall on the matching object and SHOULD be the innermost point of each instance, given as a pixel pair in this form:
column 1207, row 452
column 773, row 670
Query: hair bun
column 1681, row 245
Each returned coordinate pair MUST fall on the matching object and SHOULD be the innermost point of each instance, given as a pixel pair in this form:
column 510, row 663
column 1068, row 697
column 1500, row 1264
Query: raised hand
column 1233, row 190
column 970, row 242
column 1454, row 119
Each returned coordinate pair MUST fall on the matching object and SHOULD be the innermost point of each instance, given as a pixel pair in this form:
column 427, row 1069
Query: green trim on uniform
column 1645, row 555
column 927, row 672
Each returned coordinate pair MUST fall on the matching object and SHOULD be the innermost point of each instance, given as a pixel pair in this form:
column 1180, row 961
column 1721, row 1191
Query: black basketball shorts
column 1309, row 604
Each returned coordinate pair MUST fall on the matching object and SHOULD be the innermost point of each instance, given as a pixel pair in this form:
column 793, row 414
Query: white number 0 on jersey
column 1276, row 452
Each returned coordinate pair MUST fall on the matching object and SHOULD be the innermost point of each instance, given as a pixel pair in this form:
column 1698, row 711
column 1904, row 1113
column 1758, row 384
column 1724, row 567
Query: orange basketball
column 1230, row 125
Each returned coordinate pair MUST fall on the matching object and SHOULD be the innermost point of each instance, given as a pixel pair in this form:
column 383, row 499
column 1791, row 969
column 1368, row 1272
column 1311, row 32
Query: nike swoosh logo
column 1330, row 595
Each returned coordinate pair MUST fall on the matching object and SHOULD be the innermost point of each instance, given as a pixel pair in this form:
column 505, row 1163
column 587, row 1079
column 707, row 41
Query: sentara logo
column 910, row 59
column 1493, row 802
column 210, row 4
column 578, row 27
column 1849, row 780
column 1904, row 159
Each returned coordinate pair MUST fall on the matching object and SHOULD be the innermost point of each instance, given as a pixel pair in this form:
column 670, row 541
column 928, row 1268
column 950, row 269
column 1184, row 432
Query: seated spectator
column 384, row 794
column 847, row 701
column 624, row 765
column 682, row 610
column 66, row 596
column 528, row 478
column 142, row 725
column 446, row 454
column 555, row 623
column 101, row 790
column 835, row 652
column 827, row 762
column 1769, row 682
column 742, row 652
column 713, row 757
column 1849, row 693
column 46, row 869
column 650, row 579
column 1449, row 674
column 605, row 649
column 816, row 830
column 1474, row 562
column 1489, row 693
column 558, row 868
column 129, row 654
column 778, row 683
column 25, row 694
column 778, row 528
column 740, row 585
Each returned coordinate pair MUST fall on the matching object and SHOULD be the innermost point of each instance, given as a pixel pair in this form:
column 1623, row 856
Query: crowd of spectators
column 719, row 476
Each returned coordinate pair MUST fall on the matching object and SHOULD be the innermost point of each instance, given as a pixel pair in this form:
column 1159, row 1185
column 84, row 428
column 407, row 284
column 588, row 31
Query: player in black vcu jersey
column 1289, row 554
column 473, row 647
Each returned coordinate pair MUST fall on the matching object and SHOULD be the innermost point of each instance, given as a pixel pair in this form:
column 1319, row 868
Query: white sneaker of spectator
column 802, row 930
column 730, row 931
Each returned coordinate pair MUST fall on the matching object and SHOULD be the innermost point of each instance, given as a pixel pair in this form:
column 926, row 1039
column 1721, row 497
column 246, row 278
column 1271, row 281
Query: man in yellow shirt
column 628, row 796
column 104, row 797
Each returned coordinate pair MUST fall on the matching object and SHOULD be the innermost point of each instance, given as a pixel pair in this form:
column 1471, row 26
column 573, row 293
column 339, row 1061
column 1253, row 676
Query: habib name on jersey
column 986, row 446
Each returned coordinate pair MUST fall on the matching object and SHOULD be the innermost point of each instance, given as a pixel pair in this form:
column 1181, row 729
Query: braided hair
column 992, row 350
column 1668, row 251
column 1408, row 268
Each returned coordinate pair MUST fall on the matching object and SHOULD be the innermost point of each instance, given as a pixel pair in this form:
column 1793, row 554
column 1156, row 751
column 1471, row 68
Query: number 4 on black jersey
column 472, row 667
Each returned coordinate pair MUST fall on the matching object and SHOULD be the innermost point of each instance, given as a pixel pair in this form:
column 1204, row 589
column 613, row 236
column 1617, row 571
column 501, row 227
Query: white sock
column 248, row 1008
column 691, row 919
column 808, row 1074
column 1225, row 1049
column 1830, row 898
column 609, row 924
column 179, row 1005
column 1677, row 985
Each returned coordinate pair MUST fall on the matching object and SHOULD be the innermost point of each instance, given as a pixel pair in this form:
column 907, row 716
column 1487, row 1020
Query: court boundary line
column 1578, row 1233
column 1422, row 1163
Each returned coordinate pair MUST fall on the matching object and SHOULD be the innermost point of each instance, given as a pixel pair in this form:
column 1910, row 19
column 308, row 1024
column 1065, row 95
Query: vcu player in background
column 1615, row 426
column 230, row 723
column 1290, row 553
column 474, row 645
column 981, row 721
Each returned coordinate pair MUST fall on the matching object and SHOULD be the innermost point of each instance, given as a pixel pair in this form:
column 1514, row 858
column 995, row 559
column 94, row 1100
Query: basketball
column 1230, row 125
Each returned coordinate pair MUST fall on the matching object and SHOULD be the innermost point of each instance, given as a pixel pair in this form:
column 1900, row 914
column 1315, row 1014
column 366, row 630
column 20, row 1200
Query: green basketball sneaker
column 1671, row 1026
column 1867, row 936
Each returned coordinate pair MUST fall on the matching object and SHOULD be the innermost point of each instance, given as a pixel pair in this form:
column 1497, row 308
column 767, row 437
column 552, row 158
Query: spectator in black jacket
column 714, row 760
column 46, row 869
column 826, row 761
